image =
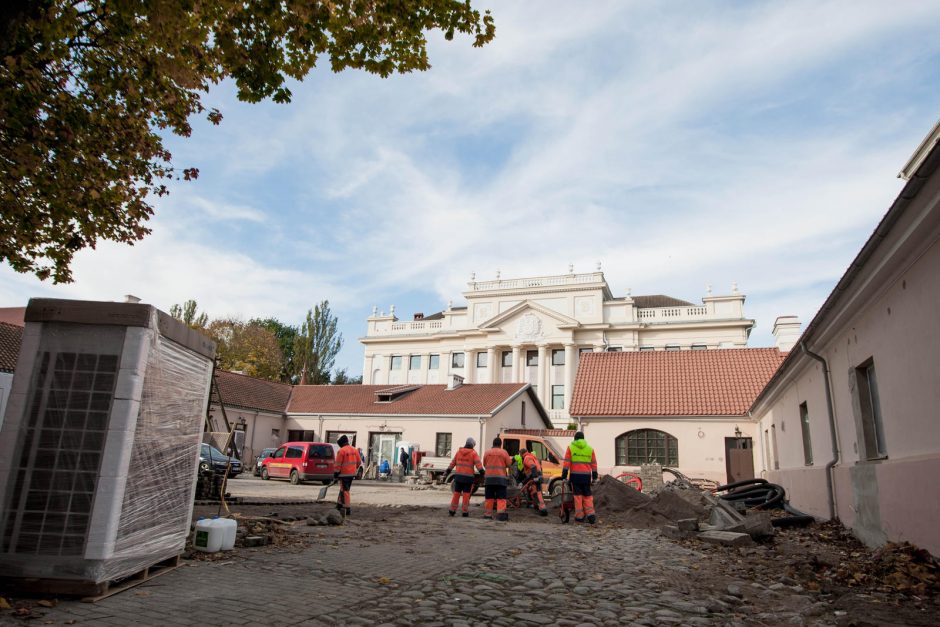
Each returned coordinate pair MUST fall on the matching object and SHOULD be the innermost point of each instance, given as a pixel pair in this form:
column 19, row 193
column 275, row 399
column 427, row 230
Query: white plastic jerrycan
column 208, row 536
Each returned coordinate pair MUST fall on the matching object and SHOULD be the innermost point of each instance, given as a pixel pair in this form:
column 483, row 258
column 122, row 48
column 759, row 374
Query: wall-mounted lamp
column 737, row 431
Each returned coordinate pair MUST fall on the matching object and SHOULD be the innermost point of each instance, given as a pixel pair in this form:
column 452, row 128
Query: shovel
column 322, row 494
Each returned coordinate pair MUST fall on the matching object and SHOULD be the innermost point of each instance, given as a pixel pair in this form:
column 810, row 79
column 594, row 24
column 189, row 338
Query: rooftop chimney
column 787, row 332
column 130, row 298
column 419, row 316
column 455, row 382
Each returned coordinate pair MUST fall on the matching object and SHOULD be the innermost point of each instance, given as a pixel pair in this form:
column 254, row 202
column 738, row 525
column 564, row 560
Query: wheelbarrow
column 564, row 501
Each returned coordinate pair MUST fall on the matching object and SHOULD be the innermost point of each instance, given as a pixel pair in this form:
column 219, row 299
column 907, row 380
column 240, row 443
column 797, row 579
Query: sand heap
column 618, row 502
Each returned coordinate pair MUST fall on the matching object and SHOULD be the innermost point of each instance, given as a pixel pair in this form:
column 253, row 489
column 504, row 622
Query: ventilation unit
column 100, row 444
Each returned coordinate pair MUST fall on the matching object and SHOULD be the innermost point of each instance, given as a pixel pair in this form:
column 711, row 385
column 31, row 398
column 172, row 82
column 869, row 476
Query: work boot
column 339, row 507
column 543, row 512
column 348, row 512
column 451, row 512
column 579, row 520
column 502, row 517
column 466, row 514
column 592, row 518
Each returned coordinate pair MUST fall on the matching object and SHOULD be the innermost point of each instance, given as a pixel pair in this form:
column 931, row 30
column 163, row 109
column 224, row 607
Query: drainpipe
column 321, row 435
column 832, row 431
column 480, row 441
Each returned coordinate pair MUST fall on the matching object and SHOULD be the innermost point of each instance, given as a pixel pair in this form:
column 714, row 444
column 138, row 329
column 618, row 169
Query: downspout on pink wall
column 833, row 433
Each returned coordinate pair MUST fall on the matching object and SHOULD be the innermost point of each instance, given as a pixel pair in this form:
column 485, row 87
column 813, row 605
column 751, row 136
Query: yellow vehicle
column 544, row 450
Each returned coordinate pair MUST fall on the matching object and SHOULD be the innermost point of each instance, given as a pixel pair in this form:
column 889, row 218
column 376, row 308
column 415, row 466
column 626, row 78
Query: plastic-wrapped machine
column 100, row 443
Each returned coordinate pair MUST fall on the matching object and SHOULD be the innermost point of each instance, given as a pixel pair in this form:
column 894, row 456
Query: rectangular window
column 481, row 360
column 672, row 347
column 699, row 347
column 298, row 435
column 869, row 404
column 396, row 362
column 581, row 351
column 558, row 397
column 807, row 441
column 414, row 362
column 434, row 362
column 558, row 358
column 442, row 445
column 523, row 414
column 456, row 360
column 644, row 349
column 507, row 359
column 773, row 446
column 615, row 349
column 334, row 436
column 532, row 358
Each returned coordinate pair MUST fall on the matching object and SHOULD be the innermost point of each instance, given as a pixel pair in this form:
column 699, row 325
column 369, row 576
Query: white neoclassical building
column 532, row 330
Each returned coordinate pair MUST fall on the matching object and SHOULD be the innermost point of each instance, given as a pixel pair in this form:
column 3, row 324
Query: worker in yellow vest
column 581, row 464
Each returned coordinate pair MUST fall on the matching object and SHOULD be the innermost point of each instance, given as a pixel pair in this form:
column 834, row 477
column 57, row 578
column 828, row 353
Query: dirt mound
column 611, row 495
column 620, row 503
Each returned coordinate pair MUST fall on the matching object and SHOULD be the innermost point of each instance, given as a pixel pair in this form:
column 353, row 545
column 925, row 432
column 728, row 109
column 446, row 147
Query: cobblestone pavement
column 416, row 565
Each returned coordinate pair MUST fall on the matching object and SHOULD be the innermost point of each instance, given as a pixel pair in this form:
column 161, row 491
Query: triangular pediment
column 525, row 312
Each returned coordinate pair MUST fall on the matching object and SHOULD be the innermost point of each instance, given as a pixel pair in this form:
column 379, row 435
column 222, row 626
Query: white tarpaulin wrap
column 100, row 446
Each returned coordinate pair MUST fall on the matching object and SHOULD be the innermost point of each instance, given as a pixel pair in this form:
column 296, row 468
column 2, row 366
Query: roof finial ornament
column 473, row 277
column 570, row 268
column 391, row 310
column 708, row 289
column 629, row 292
column 375, row 310
column 450, row 305
column 734, row 287
column 598, row 266
column 497, row 274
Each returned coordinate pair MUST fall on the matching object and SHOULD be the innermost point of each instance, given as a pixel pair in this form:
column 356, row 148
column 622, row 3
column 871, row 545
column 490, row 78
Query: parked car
column 301, row 461
column 211, row 458
column 260, row 458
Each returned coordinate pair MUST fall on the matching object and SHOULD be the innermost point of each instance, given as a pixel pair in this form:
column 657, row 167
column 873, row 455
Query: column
column 542, row 372
column 443, row 365
column 571, row 354
column 367, row 370
column 492, row 365
column 517, row 367
column 469, row 365
column 387, row 361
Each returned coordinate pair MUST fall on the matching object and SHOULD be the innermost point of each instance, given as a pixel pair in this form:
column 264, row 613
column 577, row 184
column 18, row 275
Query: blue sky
column 678, row 143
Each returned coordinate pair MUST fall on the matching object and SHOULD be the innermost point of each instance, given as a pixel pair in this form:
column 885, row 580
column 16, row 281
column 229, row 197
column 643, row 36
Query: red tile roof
column 433, row 400
column 720, row 382
column 239, row 390
column 13, row 315
column 11, row 336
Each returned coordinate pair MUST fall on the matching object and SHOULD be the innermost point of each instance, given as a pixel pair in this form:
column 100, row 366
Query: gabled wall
column 887, row 314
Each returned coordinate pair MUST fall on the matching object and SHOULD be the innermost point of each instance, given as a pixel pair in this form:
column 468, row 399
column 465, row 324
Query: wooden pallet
column 89, row 591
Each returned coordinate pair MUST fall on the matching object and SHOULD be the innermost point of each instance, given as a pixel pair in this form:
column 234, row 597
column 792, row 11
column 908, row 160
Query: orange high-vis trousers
column 455, row 500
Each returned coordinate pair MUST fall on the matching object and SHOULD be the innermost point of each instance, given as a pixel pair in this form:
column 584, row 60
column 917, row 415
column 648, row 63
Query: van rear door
column 551, row 465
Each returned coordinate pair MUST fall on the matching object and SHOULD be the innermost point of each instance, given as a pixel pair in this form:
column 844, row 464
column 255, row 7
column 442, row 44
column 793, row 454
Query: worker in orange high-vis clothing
column 532, row 471
column 496, row 465
column 347, row 463
column 466, row 464
column 581, row 464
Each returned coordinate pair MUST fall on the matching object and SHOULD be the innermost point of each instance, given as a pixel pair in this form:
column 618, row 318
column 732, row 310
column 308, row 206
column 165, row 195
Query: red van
column 301, row 461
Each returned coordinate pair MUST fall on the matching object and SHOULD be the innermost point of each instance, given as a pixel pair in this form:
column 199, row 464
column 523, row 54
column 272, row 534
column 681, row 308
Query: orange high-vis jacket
column 496, row 463
column 464, row 462
column 347, row 461
column 530, row 462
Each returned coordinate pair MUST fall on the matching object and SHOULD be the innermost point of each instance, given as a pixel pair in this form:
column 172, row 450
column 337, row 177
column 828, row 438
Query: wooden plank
column 89, row 591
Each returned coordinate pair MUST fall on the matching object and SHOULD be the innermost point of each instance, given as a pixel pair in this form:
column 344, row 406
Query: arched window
column 644, row 446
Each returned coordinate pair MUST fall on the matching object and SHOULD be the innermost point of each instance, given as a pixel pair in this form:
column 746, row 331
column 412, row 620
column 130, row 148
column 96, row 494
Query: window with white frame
column 699, row 347
column 434, row 362
column 481, row 360
column 531, row 358
column 507, row 359
column 672, row 347
column 396, row 362
column 456, row 360
column 414, row 362
column 558, row 397
column 646, row 349
column 558, row 357
column 645, row 446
